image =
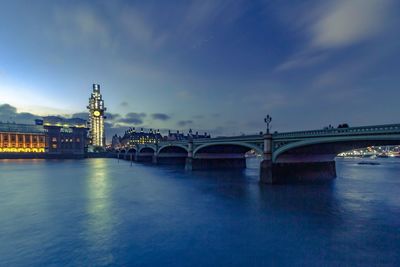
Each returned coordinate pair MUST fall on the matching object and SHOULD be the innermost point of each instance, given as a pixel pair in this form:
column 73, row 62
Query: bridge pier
column 266, row 166
column 189, row 164
column 144, row 157
column 266, row 175
column 220, row 163
column 154, row 159
column 304, row 172
column 189, row 159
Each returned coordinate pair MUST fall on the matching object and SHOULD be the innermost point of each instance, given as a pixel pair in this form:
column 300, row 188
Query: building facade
column 132, row 137
column 22, row 138
column 178, row 136
column 96, row 118
column 65, row 137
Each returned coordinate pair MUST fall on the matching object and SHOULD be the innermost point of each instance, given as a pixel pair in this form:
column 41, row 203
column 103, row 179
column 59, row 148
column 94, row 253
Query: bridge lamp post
column 266, row 165
column 268, row 120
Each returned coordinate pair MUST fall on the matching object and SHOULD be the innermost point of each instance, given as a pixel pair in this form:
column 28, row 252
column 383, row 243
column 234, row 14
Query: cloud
column 9, row 113
column 185, row 95
column 160, row 116
column 329, row 27
column 184, row 123
column 124, row 104
column 135, row 25
column 133, row 118
column 81, row 115
column 112, row 116
column 301, row 60
column 346, row 22
column 81, row 26
column 201, row 14
column 112, row 129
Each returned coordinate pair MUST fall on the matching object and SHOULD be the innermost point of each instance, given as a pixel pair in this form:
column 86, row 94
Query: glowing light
column 96, row 119
column 21, row 150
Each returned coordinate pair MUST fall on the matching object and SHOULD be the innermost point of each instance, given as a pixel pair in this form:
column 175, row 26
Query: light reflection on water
column 100, row 222
column 99, row 212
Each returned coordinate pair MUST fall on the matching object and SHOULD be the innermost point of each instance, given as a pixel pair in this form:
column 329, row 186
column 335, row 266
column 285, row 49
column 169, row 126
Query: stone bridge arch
column 245, row 147
column 175, row 154
column 327, row 148
column 145, row 154
column 170, row 148
column 130, row 153
column 220, row 155
column 147, row 149
column 121, row 153
column 131, row 150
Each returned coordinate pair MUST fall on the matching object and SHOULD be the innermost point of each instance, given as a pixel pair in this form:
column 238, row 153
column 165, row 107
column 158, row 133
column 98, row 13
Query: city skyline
column 215, row 66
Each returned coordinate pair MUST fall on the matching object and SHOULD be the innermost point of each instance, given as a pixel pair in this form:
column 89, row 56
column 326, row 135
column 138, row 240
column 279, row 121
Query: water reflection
column 100, row 222
column 99, row 212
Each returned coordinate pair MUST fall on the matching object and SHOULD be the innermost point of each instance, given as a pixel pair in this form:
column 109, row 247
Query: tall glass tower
column 96, row 117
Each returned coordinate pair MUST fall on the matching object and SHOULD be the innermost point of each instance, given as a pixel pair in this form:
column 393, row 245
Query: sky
column 215, row 66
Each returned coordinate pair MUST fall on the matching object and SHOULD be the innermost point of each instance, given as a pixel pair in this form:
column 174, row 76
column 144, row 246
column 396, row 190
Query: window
column 54, row 139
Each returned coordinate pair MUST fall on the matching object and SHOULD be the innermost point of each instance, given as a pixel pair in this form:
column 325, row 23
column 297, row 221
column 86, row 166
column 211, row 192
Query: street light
column 268, row 120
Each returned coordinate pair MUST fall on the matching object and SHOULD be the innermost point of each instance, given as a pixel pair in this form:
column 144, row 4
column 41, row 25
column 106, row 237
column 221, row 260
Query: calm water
column 99, row 212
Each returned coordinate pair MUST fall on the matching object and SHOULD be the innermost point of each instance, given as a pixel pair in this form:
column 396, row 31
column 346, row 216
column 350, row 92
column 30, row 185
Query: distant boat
column 368, row 163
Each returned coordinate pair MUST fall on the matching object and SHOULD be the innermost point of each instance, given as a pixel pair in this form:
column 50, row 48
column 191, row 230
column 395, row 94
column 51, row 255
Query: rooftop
column 21, row 128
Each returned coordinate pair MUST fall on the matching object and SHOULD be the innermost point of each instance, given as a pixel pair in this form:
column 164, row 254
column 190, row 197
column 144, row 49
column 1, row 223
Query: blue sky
column 217, row 66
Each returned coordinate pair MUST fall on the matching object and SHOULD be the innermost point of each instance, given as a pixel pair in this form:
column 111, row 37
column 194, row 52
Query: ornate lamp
column 268, row 120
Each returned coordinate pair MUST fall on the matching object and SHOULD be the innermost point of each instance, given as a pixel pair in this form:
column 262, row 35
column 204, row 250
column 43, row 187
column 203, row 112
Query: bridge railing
column 239, row 138
column 214, row 140
column 388, row 128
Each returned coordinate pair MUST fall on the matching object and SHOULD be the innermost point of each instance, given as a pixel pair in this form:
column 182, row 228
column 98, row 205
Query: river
column 101, row 212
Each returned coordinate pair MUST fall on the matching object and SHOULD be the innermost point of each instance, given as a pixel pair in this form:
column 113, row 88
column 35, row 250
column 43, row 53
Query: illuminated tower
column 96, row 118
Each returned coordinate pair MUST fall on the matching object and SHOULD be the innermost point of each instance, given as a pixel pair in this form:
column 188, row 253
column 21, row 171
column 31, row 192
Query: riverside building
column 50, row 137
column 65, row 137
column 133, row 137
column 21, row 138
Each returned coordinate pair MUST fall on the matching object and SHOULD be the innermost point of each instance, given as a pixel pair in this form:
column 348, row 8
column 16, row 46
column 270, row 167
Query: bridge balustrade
column 343, row 131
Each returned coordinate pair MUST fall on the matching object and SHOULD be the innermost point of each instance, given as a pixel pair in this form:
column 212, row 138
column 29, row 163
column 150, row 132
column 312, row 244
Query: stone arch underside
column 222, row 156
column 224, row 149
column 172, row 155
column 327, row 150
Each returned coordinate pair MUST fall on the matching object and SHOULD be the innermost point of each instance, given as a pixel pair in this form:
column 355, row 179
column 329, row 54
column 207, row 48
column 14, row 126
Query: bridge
column 301, row 155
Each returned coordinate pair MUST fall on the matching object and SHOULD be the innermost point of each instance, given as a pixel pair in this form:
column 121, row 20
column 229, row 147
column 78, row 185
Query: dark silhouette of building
column 181, row 136
column 65, row 137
